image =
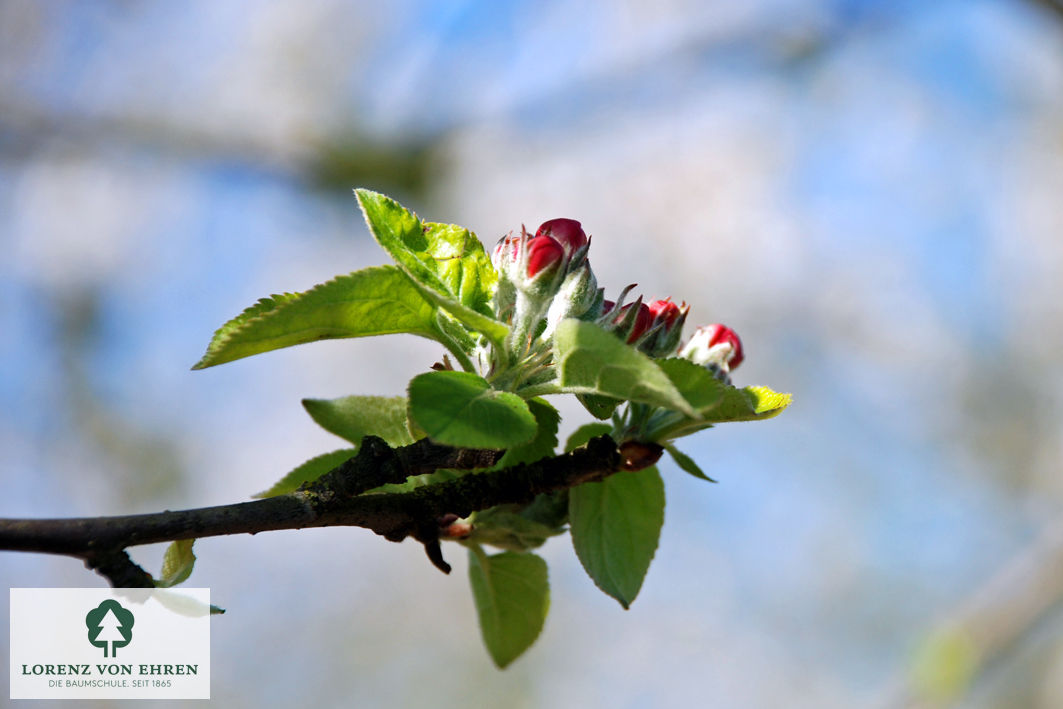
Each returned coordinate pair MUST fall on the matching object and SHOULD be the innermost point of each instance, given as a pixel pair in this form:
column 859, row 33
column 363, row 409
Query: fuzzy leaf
column 309, row 471
column 593, row 361
column 461, row 409
column 512, row 595
column 374, row 301
column 697, row 384
column 600, row 407
column 615, row 527
column 177, row 563
column 447, row 263
column 354, row 417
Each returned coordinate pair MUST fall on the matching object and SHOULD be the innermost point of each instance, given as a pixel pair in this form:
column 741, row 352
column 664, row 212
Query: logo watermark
column 97, row 643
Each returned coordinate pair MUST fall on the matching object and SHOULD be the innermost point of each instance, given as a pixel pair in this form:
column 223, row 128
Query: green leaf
column 763, row 403
column 413, row 482
column 542, row 446
column 585, row 433
column 686, row 463
column 309, row 471
column 374, row 301
column 593, row 361
column 615, row 526
column 697, row 384
column 354, row 417
column 714, row 402
column 600, row 407
column 506, row 527
column 512, row 596
column 177, row 563
column 447, row 263
column 461, row 409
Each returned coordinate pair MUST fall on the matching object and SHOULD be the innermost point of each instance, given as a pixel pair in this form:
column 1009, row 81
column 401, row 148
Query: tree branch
column 335, row 499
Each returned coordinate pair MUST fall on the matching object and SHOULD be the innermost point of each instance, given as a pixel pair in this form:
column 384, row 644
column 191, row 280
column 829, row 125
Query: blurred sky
column 868, row 192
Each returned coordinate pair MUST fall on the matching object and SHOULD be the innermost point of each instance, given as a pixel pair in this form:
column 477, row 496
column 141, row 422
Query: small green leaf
column 506, row 527
column 177, row 563
column 593, row 361
column 461, row 409
column 354, row 417
column 714, row 402
column 546, row 419
column 374, row 301
column 462, row 264
column 447, row 263
column 615, row 526
column 600, row 407
column 585, row 433
column 413, row 482
column 512, row 596
column 686, row 463
column 309, row 471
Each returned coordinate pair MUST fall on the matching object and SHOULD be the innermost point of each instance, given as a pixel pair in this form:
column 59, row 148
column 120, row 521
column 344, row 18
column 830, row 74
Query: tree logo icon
column 110, row 624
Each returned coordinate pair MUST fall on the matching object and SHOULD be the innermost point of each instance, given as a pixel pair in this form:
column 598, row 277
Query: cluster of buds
column 715, row 347
column 654, row 328
column 545, row 275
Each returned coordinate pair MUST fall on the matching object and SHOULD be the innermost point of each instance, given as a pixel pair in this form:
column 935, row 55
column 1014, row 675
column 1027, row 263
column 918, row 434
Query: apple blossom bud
column 543, row 253
column 716, row 347
column 664, row 312
column 567, row 232
column 635, row 319
column 578, row 297
column 666, row 328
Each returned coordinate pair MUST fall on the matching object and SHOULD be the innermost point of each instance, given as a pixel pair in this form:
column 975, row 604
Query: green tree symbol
column 110, row 623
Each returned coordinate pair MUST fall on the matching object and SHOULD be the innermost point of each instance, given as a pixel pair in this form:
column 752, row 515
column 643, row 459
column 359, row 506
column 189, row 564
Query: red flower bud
column 665, row 311
column 643, row 320
column 543, row 253
column 567, row 232
column 722, row 333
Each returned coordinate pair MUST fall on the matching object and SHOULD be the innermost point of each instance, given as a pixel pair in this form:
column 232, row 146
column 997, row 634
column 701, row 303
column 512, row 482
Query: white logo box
column 107, row 643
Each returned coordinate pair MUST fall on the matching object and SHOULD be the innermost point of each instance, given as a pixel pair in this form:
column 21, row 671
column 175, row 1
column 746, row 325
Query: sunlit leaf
column 374, row 301
column 447, row 263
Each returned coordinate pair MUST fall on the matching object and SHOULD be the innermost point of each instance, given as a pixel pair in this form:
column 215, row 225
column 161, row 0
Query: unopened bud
column 544, row 253
column 714, row 346
column 666, row 328
column 567, row 232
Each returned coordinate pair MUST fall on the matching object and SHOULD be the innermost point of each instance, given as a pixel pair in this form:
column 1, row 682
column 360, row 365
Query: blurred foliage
column 407, row 168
